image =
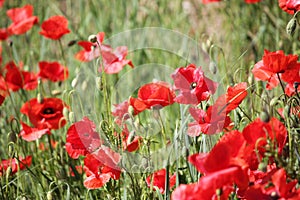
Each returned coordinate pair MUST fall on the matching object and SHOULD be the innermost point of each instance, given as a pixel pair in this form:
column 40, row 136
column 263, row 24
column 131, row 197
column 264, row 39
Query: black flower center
column 48, row 111
column 193, row 85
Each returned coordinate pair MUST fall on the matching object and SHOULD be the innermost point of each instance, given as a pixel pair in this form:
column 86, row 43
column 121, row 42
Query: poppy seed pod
column 92, row 38
column 49, row 195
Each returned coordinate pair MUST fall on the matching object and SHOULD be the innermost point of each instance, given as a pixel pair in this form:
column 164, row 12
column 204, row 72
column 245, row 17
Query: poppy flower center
column 48, row 111
column 193, row 85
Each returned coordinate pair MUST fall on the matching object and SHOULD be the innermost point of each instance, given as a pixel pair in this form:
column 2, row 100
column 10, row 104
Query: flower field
column 180, row 100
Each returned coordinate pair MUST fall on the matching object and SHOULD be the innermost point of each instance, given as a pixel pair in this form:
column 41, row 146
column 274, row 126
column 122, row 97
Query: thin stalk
column 282, row 87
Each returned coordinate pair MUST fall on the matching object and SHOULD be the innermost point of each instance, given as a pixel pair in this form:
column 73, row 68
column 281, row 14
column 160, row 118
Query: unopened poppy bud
column 135, row 168
column 185, row 152
column 8, row 172
column 84, row 85
column 40, row 98
column 99, row 83
column 49, row 195
column 250, row 79
column 66, row 112
column 291, row 26
column 11, row 150
column 93, row 38
column 274, row 101
column 74, row 82
column 72, row 117
column 213, row 67
column 286, row 111
column 219, row 192
column 262, row 167
column 56, row 92
column 12, row 136
column 130, row 137
column 264, row 116
column 71, row 43
column 144, row 164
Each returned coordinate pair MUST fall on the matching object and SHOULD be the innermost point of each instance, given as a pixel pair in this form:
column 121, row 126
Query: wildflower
column 53, row 71
column 14, row 164
column 130, row 142
column 22, row 18
column 216, row 118
column 158, row 179
column 18, row 79
column 152, row 95
column 82, row 138
column 289, row 6
column 100, row 166
column 273, row 63
column 55, row 27
column 31, row 134
column 194, row 87
column 45, row 114
column 258, row 130
column 121, row 112
column 113, row 60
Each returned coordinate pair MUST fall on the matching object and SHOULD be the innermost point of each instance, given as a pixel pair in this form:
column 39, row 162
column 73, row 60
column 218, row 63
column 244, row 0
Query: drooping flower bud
column 291, row 26
column 264, row 116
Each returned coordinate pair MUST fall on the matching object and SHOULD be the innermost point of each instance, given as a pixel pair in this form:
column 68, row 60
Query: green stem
column 282, row 87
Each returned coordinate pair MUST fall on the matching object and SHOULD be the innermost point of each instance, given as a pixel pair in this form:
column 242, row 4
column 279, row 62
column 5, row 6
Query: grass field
column 149, row 99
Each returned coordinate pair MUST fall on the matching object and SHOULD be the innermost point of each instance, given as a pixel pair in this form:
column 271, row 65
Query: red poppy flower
column 130, row 142
column 45, row 114
column 194, row 87
column 1, row 3
column 271, row 64
column 55, row 27
column 0, row 51
column 18, row 79
column 82, row 138
column 2, row 98
column 291, row 76
column 208, row 122
column 14, row 164
column 152, row 95
column 289, row 6
column 3, row 89
column 113, row 60
column 22, row 18
column 227, row 149
column 100, row 167
column 274, row 184
column 233, row 97
column 207, row 186
column 31, row 134
column 158, row 179
column 4, row 34
column 259, row 130
column 121, row 112
column 53, row 71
